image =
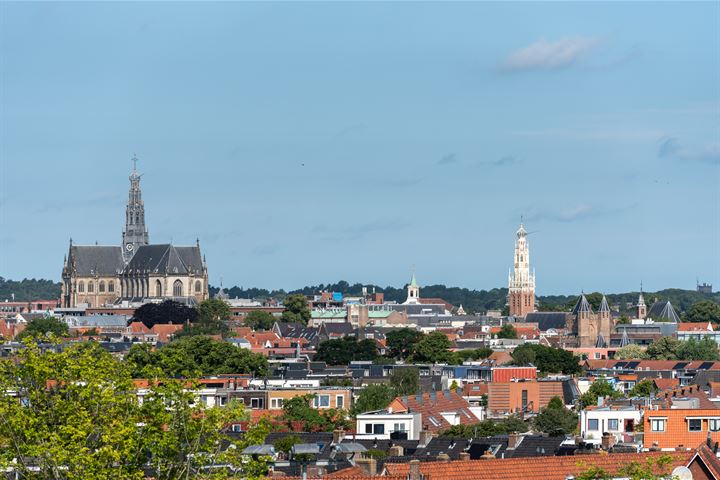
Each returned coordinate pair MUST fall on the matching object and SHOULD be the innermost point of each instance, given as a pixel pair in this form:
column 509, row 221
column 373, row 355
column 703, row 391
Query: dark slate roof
column 536, row 446
column 604, row 307
column 663, row 311
column 582, row 305
column 547, row 320
column 166, row 258
column 96, row 260
column 704, row 377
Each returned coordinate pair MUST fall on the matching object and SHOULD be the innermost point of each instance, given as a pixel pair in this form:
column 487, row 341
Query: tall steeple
column 135, row 233
column 641, row 307
column 413, row 291
column 521, row 283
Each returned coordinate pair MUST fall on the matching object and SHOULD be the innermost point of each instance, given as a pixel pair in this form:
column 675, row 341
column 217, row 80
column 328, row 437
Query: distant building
column 704, row 288
column 521, row 283
column 136, row 271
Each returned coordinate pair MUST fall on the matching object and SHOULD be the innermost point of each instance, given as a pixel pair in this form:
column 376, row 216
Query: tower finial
column 521, row 218
column 134, row 160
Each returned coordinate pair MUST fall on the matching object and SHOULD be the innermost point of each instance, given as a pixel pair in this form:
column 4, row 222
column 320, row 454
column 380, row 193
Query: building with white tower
column 521, row 283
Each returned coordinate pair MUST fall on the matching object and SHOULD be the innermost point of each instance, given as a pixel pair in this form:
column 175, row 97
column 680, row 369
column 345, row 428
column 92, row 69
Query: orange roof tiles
column 546, row 468
column 432, row 406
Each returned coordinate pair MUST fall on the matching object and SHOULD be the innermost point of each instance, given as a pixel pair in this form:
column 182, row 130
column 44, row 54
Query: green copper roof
column 413, row 282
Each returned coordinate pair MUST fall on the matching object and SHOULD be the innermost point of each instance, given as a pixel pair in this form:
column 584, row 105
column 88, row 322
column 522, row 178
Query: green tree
column 703, row 349
column 405, row 381
column 166, row 312
column 189, row 357
column 433, row 348
column 487, row 428
column 703, row 311
column 599, row 388
column 296, row 309
column 631, row 352
column 44, row 327
column 372, row 398
column 342, row 351
column 285, row 444
column 213, row 310
column 298, row 411
column 78, row 417
column 664, row 348
column 401, row 342
column 259, row 320
column 546, row 359
column 555, row 419
column 507, row 331
column 643, row 388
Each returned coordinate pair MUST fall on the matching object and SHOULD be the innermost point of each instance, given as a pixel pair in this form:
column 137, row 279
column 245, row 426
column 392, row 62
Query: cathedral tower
column 135, row 233
column 521, row 283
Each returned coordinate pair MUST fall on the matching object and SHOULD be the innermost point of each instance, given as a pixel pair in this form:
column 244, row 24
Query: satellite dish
column 682, row 473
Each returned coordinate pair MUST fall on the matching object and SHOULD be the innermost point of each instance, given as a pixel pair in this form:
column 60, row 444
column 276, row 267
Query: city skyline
column 370, row 139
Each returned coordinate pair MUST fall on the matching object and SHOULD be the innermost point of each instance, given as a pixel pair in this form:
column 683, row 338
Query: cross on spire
column 134, row 160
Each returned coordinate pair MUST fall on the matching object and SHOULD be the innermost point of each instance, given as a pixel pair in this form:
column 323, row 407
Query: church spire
column 135, row 233
column 521, row 282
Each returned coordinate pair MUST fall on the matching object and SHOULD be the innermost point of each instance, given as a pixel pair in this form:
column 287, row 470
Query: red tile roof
column 545, row 468
column 694, row 327
column 432, row 406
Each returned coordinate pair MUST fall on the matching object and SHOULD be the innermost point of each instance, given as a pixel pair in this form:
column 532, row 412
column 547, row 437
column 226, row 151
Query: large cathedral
column 136, row 271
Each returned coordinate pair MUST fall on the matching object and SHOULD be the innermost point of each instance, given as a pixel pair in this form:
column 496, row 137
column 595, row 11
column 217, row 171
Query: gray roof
column 663, row 311
column 98, row 321
column 548, row 320
column 582, row 305
column 166, row 258
column 96, row 260
column 604, row 307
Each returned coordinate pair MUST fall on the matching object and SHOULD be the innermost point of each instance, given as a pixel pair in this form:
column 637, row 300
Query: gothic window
column 198, row 286
column 111, row 286
column 137, row 218
column 101, row 287
column 177, row 288
column 91, row 287
column 158, row 288
column 81, row 287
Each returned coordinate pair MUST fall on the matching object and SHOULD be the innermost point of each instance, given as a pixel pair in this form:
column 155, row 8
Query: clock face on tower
column 129, row 247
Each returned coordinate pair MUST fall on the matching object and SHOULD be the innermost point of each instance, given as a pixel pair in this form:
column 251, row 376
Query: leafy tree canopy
column 555, row 419
column 166, row 312
column 487, row 428
column 631, row 352
column 296, row 309
column 193, row 356
column 401, row 342
column 546, row 359
column 703, row 349
column 373, row 397
column 663, row 349
column 507, row 331
column 43, row 327
column 297, row 410
column 259, row 320
column 79, row 414
column 433, row 348
column 342, row 351
column 703, row 311
column 28, row 289
column 643, row 388
column 405, row 381
column 599, row 388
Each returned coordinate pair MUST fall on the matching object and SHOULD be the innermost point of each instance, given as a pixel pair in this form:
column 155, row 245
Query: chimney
column 313, row 471
column 338, row 436
column 368, row 466
column 414, row 470
column 608, row 440
column 464, row 456
column 488, row 455
column 443, row 457
column 514, row 440
column 425, row 437
column 396, row 451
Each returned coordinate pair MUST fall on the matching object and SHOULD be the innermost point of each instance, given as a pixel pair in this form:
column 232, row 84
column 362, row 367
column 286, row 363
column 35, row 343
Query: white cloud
column 547, row 55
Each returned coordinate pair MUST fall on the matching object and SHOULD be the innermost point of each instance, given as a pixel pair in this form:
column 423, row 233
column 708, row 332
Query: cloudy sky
column 307, row 143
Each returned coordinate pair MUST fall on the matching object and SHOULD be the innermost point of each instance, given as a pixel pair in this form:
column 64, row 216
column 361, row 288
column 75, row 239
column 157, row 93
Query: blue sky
column 311, row 142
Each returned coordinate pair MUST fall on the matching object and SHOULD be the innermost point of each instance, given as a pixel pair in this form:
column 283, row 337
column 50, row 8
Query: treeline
column 28, row 289
column 476, row 301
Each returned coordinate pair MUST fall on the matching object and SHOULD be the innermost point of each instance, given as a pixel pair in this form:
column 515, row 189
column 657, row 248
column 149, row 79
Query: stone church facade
column 136, row 271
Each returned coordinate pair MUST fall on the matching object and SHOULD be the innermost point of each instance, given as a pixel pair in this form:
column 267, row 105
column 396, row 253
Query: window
column 158, row 288
column 657, row 424
column 434, row 421
column 339, row 401
column 81, row 287
column 177, row 288
column 524, row 399
column 223, row 401
column 91, row 287
column 378, row 429
column 236, row 428
column 111, row 286
column 613, row 424
column 276, row 403
column 592, row 424
column 399, row 427
column 101, row 287
column 368, row 428
column 694, row 425
column 198, row 286
column 257, row 403
column 714, row 424
column 322, row 401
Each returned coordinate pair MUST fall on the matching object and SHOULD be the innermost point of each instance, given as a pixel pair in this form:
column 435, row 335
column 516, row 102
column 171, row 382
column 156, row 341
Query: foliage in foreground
column 75, row 415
